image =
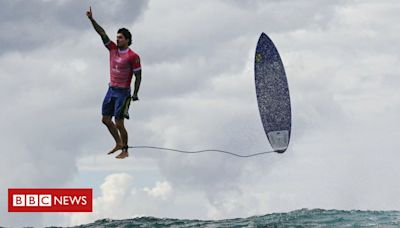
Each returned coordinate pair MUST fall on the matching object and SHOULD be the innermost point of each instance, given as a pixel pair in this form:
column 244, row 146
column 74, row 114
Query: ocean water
column 298, row 218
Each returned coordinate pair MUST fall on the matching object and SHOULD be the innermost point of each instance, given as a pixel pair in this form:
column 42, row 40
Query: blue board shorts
column 116, row 102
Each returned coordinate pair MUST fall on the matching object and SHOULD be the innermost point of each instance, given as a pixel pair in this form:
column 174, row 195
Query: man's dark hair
column 126, row 34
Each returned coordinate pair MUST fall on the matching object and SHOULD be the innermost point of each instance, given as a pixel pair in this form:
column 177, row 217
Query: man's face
column 121, row 41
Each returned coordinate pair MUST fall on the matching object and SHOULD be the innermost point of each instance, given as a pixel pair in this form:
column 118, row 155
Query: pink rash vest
column 122, row 65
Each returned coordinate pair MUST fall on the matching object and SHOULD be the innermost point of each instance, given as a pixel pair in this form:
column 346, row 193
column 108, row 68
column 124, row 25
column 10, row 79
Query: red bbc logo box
column 50, row 200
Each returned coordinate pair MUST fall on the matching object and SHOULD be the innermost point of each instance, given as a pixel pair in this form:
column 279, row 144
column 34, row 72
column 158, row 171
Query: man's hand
column 135, row 97
column 89, row 13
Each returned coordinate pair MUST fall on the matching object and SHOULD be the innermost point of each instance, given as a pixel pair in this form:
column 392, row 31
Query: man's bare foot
column 116, row 148
column 123, row 154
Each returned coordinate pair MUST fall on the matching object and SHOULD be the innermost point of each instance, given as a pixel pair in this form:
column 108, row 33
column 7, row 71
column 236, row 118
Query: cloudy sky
column 342, row 62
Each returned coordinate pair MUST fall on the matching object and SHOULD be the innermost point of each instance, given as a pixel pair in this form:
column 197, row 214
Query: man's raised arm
column 97, row 27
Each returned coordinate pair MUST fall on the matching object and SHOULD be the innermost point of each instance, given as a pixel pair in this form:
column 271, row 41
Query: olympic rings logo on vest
column 50, row 200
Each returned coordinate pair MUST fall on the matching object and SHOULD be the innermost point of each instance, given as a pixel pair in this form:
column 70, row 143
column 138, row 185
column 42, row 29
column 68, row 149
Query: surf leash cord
column 202, row 151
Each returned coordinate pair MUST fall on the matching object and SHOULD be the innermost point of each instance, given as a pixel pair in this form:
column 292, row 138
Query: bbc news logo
column 50, row 200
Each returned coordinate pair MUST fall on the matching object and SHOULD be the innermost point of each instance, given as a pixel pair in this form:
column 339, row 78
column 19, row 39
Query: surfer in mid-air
column 123, row 64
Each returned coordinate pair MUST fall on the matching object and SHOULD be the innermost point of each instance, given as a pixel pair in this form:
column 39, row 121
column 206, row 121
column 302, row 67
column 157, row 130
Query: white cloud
column 115, row 193
column 120, row 199
column 161, row 190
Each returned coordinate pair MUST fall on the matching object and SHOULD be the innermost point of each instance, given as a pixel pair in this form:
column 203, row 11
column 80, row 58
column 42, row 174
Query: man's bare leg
column 124, row 138
column 114, row 132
